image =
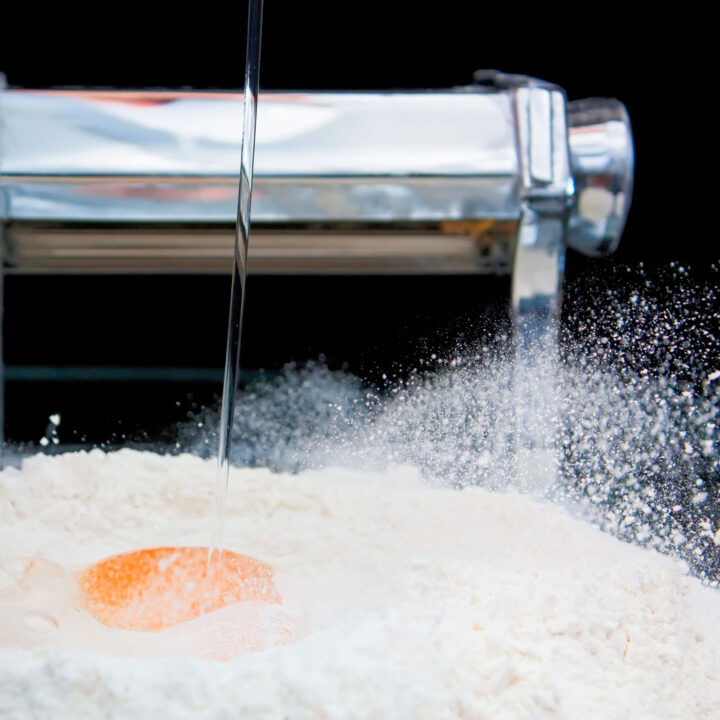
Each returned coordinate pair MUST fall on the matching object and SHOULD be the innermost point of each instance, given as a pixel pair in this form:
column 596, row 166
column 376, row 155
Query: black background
column 658, row 65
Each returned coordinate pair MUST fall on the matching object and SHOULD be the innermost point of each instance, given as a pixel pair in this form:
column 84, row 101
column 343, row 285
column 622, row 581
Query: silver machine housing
column 496, row 177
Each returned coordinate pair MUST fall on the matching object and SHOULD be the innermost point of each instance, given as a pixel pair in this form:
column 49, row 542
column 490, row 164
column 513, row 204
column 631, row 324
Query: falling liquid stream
column 237, row 293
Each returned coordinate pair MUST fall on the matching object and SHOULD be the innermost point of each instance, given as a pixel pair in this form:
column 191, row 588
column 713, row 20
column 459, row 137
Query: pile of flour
column 409, row 601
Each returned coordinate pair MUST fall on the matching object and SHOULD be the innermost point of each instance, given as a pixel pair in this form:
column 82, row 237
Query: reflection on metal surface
column 537, row 269
column 208, row 249
column 602, row 164
column 144, row 157
column 185, row 199
column 540, row 245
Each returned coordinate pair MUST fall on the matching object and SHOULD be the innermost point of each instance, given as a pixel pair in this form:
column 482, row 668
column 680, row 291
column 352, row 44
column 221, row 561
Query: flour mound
column 414, row 601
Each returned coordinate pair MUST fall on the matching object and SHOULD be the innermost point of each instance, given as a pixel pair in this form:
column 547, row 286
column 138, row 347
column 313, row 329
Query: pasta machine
column 497, row 177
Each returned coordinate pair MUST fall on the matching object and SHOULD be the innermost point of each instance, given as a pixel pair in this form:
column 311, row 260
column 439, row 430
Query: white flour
column 416, row 602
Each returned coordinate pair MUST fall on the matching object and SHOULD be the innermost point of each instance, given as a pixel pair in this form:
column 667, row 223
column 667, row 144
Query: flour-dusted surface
column 408, row 602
